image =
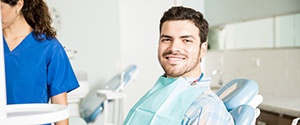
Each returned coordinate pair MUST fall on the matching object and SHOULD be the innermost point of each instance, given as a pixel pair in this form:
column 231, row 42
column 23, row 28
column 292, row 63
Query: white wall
column 91, row 27
column 277, row 71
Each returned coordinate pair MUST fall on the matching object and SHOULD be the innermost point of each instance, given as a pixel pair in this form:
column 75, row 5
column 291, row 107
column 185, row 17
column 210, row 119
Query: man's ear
column 203, row 49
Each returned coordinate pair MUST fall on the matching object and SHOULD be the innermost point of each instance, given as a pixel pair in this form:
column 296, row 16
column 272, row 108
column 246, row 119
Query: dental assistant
column 36, row 65
column 182, row 95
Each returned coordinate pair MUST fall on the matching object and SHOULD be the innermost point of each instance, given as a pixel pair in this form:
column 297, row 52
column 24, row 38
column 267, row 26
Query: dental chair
column 92, row 106
column 241, row 99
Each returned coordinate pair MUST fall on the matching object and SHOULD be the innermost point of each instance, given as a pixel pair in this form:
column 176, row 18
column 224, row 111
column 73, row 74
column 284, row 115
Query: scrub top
column 37, row 70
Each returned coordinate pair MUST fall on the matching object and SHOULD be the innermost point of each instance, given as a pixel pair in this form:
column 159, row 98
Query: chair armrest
column 243, row 115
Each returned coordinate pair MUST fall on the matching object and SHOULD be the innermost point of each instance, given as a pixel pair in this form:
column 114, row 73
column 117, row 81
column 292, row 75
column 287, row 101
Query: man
column 181, row 95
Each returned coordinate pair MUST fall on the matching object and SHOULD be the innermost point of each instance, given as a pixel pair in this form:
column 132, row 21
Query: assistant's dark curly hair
column 184, row 13
column 37, row 15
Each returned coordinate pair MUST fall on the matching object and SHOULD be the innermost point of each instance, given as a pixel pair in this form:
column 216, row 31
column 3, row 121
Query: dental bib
column 164, row 104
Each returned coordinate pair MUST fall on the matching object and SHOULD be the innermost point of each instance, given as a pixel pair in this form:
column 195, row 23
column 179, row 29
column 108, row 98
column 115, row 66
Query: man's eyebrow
column 165, row 36
column 188, row 36
column 184, row 36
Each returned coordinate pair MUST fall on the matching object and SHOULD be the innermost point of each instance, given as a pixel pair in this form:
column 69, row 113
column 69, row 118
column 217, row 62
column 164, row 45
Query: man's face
column 179, row 49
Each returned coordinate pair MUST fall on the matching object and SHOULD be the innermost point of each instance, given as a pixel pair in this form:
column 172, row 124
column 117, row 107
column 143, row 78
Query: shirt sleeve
column 213, row 114
column 207, row 109
column 61, row 77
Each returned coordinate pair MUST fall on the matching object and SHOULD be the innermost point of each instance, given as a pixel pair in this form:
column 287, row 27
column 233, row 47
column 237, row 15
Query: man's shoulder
column 213, row 106
column 208, row 97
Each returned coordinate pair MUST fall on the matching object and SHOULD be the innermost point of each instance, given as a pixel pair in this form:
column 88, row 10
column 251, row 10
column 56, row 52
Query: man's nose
column 176, row 45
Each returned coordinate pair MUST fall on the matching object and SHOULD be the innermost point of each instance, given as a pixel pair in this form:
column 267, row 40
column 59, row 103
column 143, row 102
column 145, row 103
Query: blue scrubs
column 37, row 70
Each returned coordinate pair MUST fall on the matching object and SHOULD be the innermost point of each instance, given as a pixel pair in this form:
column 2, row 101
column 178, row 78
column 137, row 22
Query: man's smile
column 174, row 59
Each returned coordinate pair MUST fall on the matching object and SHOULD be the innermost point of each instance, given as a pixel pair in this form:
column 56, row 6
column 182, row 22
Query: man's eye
column 186, row 40
column 165, row 40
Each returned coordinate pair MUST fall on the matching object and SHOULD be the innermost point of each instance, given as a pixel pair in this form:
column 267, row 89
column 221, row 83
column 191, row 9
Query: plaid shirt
column 207, row 109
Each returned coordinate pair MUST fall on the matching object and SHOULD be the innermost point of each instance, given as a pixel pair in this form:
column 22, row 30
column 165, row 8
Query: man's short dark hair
column 185, row 13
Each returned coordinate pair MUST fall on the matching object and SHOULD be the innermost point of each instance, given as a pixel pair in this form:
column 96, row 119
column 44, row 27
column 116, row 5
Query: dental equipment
column 109, row 95
column 94, row 103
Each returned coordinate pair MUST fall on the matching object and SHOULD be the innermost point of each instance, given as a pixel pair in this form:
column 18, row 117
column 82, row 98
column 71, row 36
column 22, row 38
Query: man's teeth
column 175, row 58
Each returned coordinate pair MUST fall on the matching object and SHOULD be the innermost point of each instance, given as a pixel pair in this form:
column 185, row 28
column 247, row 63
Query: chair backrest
column 92, row 105
column 241, row 99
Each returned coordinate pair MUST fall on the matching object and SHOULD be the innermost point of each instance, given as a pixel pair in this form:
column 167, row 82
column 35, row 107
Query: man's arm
column 60, row 99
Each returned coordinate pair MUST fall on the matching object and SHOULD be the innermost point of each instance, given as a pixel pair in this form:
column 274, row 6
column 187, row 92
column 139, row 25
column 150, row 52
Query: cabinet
column 271, row 118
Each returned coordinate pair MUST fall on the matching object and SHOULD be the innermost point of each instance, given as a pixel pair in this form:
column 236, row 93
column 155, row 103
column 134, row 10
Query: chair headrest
column 238, row 92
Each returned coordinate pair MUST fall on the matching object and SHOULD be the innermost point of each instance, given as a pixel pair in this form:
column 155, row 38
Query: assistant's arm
column 60, row 99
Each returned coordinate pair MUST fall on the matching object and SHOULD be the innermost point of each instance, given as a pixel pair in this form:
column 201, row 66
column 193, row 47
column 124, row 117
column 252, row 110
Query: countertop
column 281, row 105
